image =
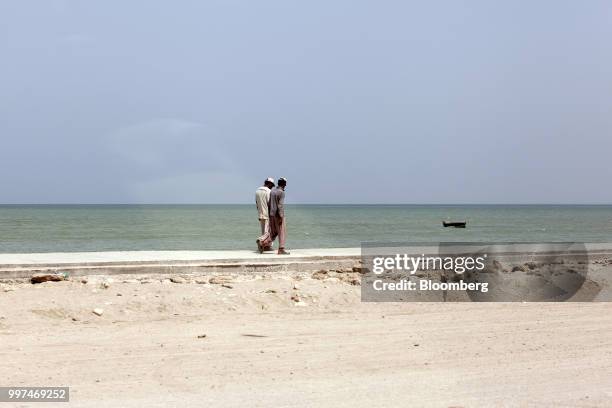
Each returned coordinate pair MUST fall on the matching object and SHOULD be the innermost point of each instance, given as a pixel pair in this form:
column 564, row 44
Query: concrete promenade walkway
column 242, row 261
column 123, row 262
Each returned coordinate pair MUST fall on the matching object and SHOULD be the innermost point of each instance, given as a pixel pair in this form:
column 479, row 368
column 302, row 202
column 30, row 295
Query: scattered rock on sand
column 98, row 311
column 351, row 278
column 271, row 291
column 225, row 285
column 518, row 268
column 320, row 275
column 47, row 277
column 105, row 285
column 201, row 281
column 177, row 279
column 201, row 336
column 219, row 280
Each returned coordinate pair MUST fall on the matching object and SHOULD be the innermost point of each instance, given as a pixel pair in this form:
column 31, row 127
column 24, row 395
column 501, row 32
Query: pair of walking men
column 270, row 203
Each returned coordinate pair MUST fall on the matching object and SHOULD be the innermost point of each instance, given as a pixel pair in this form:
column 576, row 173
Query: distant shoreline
column 8, row 205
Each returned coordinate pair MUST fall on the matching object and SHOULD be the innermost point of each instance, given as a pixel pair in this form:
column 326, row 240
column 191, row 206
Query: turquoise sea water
column 51, row 228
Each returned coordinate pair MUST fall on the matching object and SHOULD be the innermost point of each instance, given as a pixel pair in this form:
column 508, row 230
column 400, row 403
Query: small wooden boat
column 456, row 224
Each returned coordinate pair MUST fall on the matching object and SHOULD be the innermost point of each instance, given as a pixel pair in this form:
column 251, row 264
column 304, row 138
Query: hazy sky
column 352, row 101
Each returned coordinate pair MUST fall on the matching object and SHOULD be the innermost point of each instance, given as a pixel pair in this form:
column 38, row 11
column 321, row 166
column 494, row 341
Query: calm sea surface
column 51, row 228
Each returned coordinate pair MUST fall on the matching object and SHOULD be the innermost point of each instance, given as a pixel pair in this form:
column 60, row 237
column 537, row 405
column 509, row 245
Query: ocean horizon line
column 305, row 204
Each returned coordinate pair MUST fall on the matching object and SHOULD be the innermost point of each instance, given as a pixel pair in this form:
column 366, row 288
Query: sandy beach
column 296, row 339
column 305, row 204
